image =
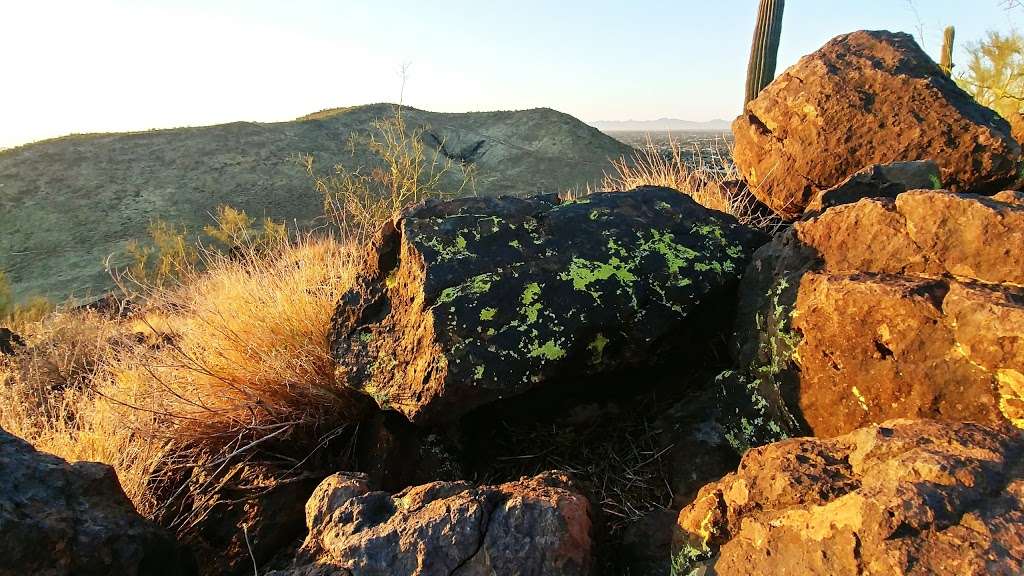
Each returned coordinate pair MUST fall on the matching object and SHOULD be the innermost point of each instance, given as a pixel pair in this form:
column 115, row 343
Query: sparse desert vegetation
column 798, row 347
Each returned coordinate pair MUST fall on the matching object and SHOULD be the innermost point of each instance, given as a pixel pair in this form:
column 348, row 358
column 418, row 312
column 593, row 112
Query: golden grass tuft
column 226, row 359
column 715, row 185
column 240, row 347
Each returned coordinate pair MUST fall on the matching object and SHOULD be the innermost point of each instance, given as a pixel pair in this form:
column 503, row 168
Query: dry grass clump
column 47, row 396
column 715, row 184
column 240, row 348
column 204, row 373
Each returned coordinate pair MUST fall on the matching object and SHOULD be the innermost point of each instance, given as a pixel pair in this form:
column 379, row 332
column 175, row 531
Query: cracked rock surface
column 465, row 302
column 532, row 527
column 905, row 308
column 59, row 518
column 903, row 497
column 868, row 97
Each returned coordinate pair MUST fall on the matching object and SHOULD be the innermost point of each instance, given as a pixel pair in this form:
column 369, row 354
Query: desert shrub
column 168, row 255
column 994, row 75
column 233, row 232
column 403, row 172
column 171, row 254
column 714, row 184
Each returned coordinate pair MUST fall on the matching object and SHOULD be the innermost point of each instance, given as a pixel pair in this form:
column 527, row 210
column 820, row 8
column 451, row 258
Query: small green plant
column 764, row 49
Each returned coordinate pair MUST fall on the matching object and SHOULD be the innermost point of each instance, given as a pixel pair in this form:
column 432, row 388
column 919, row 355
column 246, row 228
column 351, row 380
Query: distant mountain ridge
column 68, row 203
column 661, row 125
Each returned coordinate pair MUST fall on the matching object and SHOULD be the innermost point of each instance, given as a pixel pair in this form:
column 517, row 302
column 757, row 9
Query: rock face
column 533, row 527
column 465, row 302
column 60, row 518
column 904, row 497
column 867, row 98
column 905, row 308
column 879, row 181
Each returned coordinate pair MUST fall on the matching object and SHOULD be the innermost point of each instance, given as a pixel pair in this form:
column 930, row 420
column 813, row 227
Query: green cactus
column 764, row 49
column 946, row 60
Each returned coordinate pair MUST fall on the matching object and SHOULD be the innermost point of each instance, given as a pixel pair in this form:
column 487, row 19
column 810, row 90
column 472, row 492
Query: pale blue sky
column 114, row 65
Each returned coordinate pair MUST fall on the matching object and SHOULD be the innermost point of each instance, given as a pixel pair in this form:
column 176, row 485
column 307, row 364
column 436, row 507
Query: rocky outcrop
column 879, row 181
column 905, row 308
column 60, row 518
column 10, row 342
column 465, row 302
column 867, row 98
column 903, row 497
column 533, row 527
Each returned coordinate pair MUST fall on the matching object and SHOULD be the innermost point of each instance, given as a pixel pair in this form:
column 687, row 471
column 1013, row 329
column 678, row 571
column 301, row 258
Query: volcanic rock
column 466, row 302
column 904, row 497
column 905, row 308
column 869, row 97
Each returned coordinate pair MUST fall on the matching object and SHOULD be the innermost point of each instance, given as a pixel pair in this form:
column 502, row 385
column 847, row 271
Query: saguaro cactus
column 765, row 47
column 946, row 59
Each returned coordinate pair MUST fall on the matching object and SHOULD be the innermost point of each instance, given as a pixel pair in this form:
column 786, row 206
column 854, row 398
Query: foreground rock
column 867, row 98
column 465, row 302
column 904, row 497
column 60, row 518
column 532, row 527
column 888, row 309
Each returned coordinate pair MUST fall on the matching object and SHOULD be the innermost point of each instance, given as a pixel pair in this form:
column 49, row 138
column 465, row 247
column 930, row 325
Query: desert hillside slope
column 68, row 203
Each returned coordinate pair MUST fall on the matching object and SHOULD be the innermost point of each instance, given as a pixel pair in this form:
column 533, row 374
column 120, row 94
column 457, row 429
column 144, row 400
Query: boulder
column 466, row 302
column 879, row 181
column 73, row 518
column 869, row 97
column 10, row 342
column 535, row 526
column 905, row 308
column 902, row 497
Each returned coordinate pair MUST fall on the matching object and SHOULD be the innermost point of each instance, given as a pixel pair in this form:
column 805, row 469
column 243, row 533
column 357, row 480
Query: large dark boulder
column 533, row 527
column 869, row 97
column 905, row 308
column 73, row 519
column 464, row 302
column 904, row 497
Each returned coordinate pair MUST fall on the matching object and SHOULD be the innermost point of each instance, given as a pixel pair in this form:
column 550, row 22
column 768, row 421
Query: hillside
column 68, row 203
column 661, row 125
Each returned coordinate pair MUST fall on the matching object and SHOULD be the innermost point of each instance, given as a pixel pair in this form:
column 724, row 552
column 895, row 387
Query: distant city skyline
column 120, row 65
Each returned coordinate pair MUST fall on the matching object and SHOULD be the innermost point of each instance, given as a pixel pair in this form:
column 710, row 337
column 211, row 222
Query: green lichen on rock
column 488, row 313
column 447, row 252
column 596, row 348
column 478, row 284
column 584, row 273
column 550, row 350
column 531, row 307
column 748, row 418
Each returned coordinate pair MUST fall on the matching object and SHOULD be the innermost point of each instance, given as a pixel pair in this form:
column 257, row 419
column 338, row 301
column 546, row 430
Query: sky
column 76, row 66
